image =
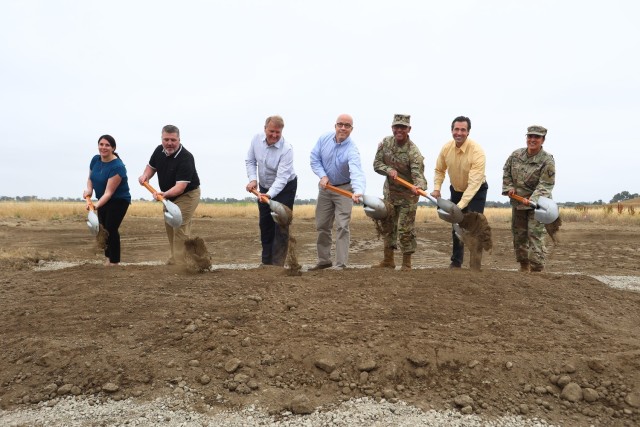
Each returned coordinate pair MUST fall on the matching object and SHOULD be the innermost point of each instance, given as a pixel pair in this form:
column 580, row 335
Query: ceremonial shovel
column 172, row 214
column 447, row 210
column 92, row 218
column 280, row 213
column 373, row 206
column 545, row 210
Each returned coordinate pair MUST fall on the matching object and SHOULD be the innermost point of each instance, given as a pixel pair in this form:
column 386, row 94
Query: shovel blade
column 546, row 210
column 374, row 207
column 458, row 231
column 93, row 223
column 172, row 214
column 280, row 213
column 449, row 211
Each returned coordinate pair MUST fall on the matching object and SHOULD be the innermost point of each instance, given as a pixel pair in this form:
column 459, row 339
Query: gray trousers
column 329, row 208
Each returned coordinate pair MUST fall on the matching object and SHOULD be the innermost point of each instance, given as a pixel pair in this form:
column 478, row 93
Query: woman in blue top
column 108, row 177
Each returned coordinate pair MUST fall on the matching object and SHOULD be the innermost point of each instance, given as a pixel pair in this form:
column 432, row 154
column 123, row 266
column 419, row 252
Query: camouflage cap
column 401, row 119
column 536, row 130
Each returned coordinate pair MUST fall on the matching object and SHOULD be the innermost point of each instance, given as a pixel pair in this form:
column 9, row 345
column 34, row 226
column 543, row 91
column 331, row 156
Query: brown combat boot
column 524, row 266
column 388, row 261
column 406, row 262
column 537, row 268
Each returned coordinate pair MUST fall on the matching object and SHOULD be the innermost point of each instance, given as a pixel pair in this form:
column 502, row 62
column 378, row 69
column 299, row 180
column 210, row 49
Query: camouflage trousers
column 528, row 237
column 404, row 220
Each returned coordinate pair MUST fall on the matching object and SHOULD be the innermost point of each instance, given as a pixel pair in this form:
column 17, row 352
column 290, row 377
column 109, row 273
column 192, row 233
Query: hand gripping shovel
column 545, row 211
column 172, row 214
column 373, row 206
column 92, row 218
column 447, row 210
column 280, row 213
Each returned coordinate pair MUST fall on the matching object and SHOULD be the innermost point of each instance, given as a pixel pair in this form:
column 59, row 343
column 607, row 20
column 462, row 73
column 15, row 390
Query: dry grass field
column 44, row 210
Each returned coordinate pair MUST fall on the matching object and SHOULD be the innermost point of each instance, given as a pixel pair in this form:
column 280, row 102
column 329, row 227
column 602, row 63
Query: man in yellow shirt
column 465, row 161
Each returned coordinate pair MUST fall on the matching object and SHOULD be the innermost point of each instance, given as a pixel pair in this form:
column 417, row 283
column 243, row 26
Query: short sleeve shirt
column 179, row 167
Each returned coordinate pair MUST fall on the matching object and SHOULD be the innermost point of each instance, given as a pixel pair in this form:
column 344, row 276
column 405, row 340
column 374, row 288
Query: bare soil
column 490, row 342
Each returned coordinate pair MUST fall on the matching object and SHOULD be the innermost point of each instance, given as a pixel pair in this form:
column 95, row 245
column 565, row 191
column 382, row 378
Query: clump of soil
column 102, row 237
column 292, row 258
column 283, row 214
column 476, row 235
column 384, row 227
column 553, row 229
column 196, row 256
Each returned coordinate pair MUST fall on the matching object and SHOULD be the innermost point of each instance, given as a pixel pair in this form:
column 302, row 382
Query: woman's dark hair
column 112, row 142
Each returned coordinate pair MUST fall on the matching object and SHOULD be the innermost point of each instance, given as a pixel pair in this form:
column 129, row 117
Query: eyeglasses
column 344, row 125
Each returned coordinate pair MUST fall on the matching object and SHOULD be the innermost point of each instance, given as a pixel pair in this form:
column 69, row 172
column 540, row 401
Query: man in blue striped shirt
column 272, row 156
column 335, row 159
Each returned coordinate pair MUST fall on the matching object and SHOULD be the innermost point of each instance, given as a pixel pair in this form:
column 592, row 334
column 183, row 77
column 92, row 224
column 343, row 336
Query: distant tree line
column 622, row 196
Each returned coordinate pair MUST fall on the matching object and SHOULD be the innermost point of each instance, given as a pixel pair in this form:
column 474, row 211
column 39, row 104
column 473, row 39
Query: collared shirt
column 178, row 167
column 338, row 161
column 466, row 169
column 273, row 162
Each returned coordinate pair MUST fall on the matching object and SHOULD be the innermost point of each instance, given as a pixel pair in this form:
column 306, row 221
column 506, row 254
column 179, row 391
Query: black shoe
column 320, row 267
column 454, row 265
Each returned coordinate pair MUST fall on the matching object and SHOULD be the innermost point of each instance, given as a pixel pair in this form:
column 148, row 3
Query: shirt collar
column 345, row 142
column 464, row 145
column 174, row 154
column 276, row 145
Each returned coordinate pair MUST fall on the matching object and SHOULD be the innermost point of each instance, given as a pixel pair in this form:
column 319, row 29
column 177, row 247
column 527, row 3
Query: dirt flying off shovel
column 172, row 215
column 545, row 210
column 92, row 218
column 373, row 206
column 280, row 213
column 447, row 210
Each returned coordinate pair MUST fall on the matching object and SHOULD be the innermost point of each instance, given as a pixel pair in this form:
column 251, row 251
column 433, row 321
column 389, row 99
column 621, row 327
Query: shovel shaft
column 420, row 190
column 152, row 190
column 90, row 203
column 340, row 191
column 409, row 185
column 523, row 200
column 260, row 196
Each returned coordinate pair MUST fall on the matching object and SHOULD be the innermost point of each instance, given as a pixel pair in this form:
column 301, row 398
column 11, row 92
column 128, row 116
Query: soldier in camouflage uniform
column 529, row 172
column 398, row 156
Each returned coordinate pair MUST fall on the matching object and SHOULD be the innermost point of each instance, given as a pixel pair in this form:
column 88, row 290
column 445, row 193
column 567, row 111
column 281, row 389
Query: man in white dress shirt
column 270, row 170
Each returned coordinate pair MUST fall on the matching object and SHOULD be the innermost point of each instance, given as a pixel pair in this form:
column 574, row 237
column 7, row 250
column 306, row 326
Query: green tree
column 623, row 195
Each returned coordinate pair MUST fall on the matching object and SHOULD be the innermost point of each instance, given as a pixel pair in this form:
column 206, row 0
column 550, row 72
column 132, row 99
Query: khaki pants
column 187, row 202
column 332, row 207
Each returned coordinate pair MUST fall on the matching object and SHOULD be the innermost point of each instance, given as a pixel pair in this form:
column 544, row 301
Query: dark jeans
column 110, row 216
column 475, row 205
column 275, row 238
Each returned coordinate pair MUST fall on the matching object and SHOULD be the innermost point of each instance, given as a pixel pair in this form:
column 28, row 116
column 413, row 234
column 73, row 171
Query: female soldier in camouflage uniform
column 529, row 172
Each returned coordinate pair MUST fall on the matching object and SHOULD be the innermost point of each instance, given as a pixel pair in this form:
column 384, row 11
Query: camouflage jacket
column 531, row 177
column 407, row 160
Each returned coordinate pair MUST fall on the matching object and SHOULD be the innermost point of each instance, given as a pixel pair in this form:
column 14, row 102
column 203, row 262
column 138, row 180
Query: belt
column 344, row 183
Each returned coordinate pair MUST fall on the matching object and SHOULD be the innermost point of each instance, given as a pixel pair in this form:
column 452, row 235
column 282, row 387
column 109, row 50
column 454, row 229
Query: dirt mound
column 565, row 348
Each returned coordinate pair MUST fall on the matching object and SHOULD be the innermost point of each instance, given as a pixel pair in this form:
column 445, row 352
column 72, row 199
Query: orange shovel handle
column 151, row 189
column 90, row 203
column 260, row 196
column 410, row 186
column 339, row 191
column 521, row 199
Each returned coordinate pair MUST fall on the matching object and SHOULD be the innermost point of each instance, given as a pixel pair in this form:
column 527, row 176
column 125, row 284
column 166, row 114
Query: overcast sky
column 73, row 70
